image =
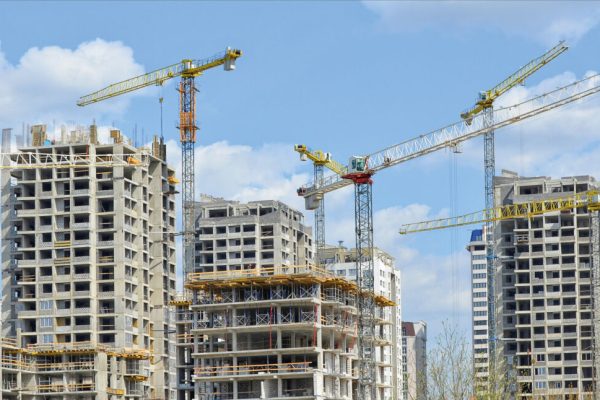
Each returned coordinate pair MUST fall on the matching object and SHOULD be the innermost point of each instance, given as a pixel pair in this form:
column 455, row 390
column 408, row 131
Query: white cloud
column 544, row 21
column 245, row 173
column 46, row 82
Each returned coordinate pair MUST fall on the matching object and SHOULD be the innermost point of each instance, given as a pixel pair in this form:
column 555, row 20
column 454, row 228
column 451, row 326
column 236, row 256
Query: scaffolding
column 216, row 286
column 282, row 318
column 80, row 358
column 225, row 371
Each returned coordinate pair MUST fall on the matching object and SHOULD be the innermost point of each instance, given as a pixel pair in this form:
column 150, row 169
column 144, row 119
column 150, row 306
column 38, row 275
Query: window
column 480, row 313
column 45, row 322
column 479, row 304
column 540, row 357
column 46, row 305
column 480, row 294
column 479, row 285
column 479, row 276
column 540, row 371
column 479, row 266
column 47, row 339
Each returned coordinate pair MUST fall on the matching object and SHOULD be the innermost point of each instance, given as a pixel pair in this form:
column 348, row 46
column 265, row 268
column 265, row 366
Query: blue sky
column 347, row 77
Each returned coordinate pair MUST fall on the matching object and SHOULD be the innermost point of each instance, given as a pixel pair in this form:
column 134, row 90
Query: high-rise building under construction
column 88, row 269
column 545, row 292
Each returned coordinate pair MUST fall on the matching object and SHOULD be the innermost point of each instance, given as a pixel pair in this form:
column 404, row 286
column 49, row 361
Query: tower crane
column 188, row 70
column 362, row 168
column 320, row 160
column 485, row 106
column 590, row 200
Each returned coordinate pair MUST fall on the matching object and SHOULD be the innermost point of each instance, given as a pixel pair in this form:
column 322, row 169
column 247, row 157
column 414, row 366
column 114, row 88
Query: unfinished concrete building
column 342, row 262
column 265, row 322
column 87, row 269
column 545, row 297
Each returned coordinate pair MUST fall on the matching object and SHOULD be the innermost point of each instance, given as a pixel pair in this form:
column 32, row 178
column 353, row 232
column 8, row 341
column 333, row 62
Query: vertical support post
column 319, row 217
column 595, row 275
column 490, row 169
column 363, row 211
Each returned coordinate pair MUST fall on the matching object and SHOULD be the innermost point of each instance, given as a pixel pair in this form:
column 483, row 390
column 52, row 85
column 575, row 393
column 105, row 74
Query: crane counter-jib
column 459, row 132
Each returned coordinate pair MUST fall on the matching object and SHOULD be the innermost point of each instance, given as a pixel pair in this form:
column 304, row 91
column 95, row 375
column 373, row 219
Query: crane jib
column 461, row 131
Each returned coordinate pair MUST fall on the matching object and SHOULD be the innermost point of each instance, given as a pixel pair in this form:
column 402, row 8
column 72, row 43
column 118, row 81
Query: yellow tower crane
column 188, row 70
column 320, row 160
column 485, row 106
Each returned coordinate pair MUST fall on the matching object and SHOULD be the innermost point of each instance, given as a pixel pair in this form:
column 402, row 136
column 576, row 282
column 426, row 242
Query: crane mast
column 489, row 170
column 319, row 173
column 187, row 131
column 363, row 223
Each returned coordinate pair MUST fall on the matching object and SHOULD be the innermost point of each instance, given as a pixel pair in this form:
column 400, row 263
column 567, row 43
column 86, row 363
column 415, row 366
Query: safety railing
column 251, row 369
column 258, row 272
column 61, row 388
column 8, row 342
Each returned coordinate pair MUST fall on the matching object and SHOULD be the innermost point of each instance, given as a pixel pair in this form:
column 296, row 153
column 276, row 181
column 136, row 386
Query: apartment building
column 414, row 360
column 235, row 235
column 88, row 270
column 543, row 275
column 342, row 262
column 479, row 306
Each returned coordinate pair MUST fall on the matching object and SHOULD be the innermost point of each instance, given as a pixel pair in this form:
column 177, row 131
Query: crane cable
column 453, row 183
